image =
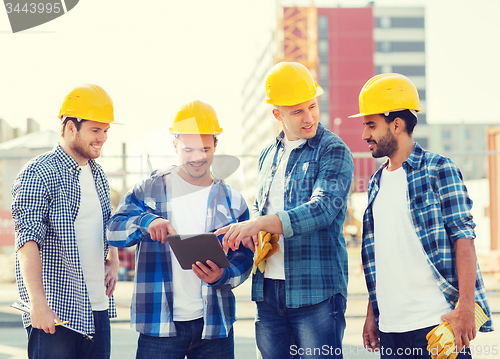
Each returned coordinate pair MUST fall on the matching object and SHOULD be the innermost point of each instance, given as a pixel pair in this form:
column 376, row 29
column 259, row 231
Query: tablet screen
column 190, row 248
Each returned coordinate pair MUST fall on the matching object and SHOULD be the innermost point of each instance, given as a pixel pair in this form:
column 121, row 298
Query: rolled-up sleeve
column 455, row 202
column 329, row 195
column 29, row 208
column 129, row 224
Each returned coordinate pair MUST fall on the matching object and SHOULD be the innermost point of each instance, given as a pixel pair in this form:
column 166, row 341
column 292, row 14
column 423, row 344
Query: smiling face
column 299, row 121
column 85, row 143
column 377, row 132
column 196, row 153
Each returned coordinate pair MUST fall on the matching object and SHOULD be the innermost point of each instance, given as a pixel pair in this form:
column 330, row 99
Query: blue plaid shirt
column 46, row 201
column 152, row 302
column 318, row 177
column 440, row 211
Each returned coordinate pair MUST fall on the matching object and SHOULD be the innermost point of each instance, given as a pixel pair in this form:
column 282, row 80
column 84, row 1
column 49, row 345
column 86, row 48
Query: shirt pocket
column 305, row 178
column 426, row 212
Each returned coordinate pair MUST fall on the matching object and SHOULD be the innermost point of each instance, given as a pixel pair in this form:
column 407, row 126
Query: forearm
column 125, row 230
column 465, row 258
column 112, row 254
column 31, row 271
column 269, row 223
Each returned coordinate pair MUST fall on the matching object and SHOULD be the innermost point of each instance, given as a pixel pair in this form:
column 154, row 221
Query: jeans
column 314, row 331
column 68, row 344
column 188, row 343
column 409, row 345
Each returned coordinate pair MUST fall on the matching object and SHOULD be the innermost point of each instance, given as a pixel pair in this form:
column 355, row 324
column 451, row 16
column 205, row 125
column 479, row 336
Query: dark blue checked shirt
column 440, row 211
column 152, row 301
column 318, row 177
column 46, row 201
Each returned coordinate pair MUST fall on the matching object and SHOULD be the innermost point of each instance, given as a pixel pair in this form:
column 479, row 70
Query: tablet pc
column 190, row 248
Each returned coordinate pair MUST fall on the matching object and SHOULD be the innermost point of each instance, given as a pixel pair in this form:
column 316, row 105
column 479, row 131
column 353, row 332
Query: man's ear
column 175, row 145
column 70, row 128
column 398, row 125
column 276, row 114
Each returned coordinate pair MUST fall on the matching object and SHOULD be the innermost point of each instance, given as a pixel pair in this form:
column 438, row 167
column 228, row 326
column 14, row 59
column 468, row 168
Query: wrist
column 466, row 303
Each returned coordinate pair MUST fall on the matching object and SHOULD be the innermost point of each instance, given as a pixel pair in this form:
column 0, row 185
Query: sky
column 154, row 56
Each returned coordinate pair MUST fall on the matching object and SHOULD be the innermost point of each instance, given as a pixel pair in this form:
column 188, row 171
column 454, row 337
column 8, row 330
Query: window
column 421, row 118
column 323, row 47
column 324, row 118
column 408, row 46
column 383, row 22
column 409, row 70
column 323, row 27
column 446, row 134
column 383, row 46
column 323, row 102
column 408, row 22
column 323, row 75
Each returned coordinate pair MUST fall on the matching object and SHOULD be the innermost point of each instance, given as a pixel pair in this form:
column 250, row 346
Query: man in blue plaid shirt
column 65, row 269
column 418, row 235
column 304, row 181
column 180, row 312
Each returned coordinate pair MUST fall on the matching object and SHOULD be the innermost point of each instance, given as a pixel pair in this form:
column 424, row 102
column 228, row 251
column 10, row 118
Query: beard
column 82, row 149
column 192, row 173
column 386, row 146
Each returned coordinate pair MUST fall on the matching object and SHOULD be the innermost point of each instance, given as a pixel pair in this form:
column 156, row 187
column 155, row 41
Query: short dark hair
column 78, row 124
column 406, row 115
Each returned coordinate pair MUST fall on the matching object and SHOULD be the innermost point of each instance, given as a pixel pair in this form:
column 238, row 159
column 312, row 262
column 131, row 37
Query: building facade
column 353, row 44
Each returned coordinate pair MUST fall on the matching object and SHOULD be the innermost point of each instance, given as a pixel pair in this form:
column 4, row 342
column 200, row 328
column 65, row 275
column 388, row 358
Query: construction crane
column 297, row 35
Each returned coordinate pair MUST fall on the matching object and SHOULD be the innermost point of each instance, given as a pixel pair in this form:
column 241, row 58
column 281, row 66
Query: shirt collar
column 416, row 158
column 67, row 160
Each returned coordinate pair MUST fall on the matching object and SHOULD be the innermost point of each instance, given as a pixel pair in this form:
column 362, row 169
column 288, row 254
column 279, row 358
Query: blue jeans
column 188, row 343
column 68, row 344
column 314, row 331
column 409, row 345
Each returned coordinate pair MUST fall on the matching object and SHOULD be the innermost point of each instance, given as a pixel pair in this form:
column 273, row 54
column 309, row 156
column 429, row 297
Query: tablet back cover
column 190, row 248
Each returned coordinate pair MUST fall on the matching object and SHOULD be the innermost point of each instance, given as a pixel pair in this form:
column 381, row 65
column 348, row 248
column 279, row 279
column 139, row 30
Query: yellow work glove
column 267, row 246
column 441, row 340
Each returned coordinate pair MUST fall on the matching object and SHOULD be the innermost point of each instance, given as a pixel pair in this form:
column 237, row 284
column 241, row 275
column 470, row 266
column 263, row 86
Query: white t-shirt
column 407, row 292
column 275, row 266
column 189, row 213
column 89, row 238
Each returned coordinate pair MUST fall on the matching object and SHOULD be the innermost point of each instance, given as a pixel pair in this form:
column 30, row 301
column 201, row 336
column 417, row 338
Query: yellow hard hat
column 290, row 83
column 387, row 93
column 196, row 117
column 88, row 102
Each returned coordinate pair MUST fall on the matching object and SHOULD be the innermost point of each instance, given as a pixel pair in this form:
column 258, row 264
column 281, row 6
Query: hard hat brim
column 381, row 113
column 357, row 115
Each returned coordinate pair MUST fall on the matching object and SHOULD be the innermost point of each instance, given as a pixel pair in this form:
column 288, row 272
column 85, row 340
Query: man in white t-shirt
column 65, row 269
column 418, row 238
column 304, row 179
column 180, row 312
